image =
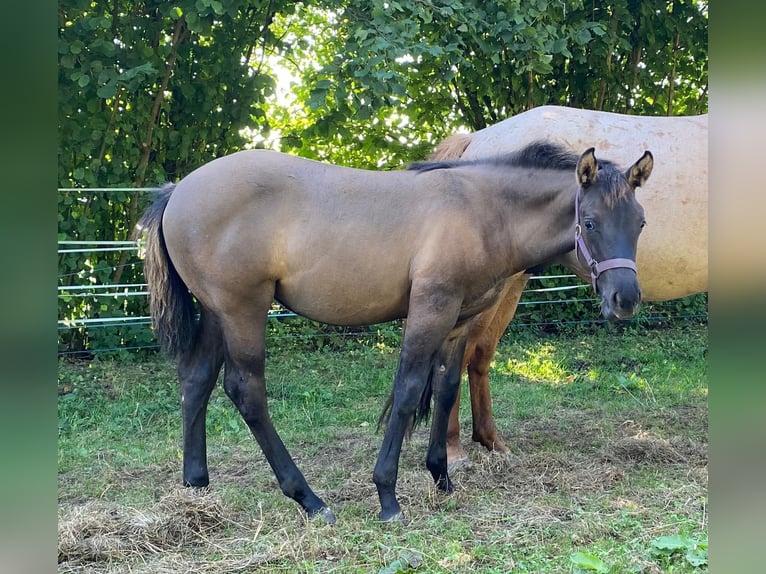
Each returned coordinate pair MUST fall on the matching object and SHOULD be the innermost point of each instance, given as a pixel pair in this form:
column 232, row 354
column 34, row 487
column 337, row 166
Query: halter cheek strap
column 596, row 267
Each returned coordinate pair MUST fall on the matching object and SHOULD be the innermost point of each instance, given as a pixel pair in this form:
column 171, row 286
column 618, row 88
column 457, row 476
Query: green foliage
column 673, row 552
column 408, row 561
column 149, row 91
column 323, row 114
column 670, row 549
column 691, row 306
column 436, row 65
column 586, row 562
column 309, row 335
column 134, row 76
column 550, row 299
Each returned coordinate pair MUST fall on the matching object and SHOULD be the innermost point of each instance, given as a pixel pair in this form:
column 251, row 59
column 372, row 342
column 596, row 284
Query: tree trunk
column 672, row 76
column 602, row 87
column 180, row 33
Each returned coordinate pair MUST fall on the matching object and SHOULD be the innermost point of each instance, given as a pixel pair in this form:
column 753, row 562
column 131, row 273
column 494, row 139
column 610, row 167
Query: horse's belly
column 671, row 274
column 345, row 296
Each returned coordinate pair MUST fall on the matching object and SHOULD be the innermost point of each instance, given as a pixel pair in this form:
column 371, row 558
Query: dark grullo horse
column 433, row 244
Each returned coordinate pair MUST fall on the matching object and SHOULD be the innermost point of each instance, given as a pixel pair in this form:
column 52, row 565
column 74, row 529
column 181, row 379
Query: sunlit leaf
column 587, row 561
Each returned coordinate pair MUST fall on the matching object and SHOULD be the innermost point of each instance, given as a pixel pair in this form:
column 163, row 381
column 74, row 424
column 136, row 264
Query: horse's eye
column 590, row 226
column 643, row 224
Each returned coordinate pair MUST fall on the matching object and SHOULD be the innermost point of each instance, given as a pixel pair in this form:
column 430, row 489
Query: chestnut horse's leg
column 197, row 373
column 484, row 335
column 244, row 383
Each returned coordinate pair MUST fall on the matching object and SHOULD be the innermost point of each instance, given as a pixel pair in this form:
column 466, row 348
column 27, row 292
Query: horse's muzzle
column 621, row 299
column 625, row 307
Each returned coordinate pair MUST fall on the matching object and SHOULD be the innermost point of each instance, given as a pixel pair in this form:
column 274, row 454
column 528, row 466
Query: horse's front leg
column 484, row 429
column 431, row 318
column 485, row 332
column 447, row 369
column 409, row 385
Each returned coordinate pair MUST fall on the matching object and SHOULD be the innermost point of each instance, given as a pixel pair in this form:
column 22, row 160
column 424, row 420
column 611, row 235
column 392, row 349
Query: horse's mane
column 451, row 147
column 540, row 154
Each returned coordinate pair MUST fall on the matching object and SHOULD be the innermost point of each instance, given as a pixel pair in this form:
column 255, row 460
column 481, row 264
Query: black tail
column 422, row 411
column 171, row 304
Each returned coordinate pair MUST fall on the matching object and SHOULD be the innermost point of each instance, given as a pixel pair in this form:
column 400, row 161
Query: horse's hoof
column 445, row 485
column 397, row 517
column 504, row 455
column 325, row 514
column 462, row 462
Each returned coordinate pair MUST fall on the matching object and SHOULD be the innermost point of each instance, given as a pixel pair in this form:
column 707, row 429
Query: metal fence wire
column 88, row 304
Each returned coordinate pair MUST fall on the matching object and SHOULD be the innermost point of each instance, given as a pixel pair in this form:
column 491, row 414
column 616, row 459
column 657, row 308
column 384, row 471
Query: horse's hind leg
column 244, row 383
column 197, row 374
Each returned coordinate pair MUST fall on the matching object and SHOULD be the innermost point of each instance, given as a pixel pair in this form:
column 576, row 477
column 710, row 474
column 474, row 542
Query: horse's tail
column 171, row 305
column 422, row 411
column 451, row 147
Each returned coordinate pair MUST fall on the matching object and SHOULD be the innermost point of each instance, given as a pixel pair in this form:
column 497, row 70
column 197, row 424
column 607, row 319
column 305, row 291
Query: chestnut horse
column 672, row 253
column 434, row 244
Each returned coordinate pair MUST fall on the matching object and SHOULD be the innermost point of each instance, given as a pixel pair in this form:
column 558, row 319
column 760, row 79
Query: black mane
column 540, row 154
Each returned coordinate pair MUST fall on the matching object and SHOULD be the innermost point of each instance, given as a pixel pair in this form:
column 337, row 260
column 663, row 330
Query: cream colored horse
column 672, row 250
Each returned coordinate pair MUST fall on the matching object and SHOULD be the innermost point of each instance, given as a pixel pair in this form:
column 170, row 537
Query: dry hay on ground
column 575, row 478
column 100, row 531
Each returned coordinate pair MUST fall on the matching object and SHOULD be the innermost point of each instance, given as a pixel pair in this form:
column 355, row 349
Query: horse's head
column 609, row 221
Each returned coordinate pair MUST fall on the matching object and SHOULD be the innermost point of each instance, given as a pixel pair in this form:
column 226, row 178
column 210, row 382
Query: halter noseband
column 596, row 267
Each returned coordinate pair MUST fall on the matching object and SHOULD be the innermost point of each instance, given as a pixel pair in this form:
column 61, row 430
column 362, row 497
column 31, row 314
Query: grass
column 607, row 427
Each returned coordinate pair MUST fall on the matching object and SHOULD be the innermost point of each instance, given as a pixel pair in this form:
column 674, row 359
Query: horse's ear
column 587, row 168
column 639, row 172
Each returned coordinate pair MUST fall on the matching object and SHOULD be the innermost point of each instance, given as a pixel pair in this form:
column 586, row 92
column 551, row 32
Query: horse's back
column 672, row 250
column 335, row 244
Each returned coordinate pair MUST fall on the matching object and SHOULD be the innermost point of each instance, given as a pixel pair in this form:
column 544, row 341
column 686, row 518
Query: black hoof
column 445, row 484
column 325, row 514
column 396, row 517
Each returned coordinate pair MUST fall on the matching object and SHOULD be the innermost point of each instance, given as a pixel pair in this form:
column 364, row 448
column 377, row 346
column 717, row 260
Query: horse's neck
column 540, row 224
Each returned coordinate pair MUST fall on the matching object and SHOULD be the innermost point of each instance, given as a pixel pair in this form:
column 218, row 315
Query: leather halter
column 596, row 267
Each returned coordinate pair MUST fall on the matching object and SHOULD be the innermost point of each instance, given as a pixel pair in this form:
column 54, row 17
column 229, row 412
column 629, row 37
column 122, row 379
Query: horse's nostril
column 626, row 303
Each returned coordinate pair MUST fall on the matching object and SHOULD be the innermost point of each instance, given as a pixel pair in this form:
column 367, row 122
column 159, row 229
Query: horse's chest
column 481, row 299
